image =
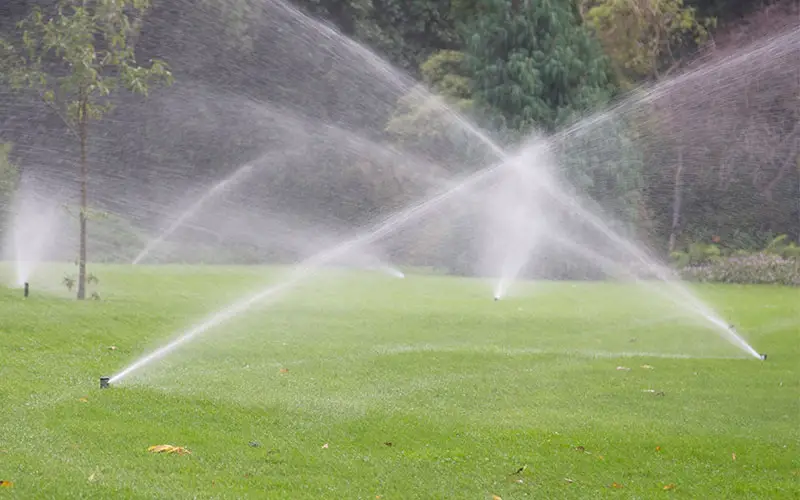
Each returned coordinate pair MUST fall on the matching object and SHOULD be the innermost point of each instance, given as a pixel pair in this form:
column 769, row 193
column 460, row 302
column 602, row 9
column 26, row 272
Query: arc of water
column 415, row 211
column 237, row 176
column 307, row 267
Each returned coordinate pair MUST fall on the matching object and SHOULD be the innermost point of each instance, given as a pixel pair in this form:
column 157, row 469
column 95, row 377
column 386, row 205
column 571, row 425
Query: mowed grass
column 359, row 385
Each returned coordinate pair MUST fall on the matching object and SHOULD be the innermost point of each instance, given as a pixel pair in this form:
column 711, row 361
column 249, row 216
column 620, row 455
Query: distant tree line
column 670, row 172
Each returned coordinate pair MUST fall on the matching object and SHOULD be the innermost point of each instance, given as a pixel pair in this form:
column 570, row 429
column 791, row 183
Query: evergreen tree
column 533, row 64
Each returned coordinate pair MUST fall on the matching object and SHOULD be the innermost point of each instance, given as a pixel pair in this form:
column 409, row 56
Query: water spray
column 25, row 290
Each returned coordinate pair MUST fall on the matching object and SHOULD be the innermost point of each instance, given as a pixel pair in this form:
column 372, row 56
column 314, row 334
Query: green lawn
column 415, row 388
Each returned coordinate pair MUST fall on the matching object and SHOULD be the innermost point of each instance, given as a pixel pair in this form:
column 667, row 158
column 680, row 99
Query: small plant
column 696, row 254
column 69, row 282
column 95, row 296
column 92, row 279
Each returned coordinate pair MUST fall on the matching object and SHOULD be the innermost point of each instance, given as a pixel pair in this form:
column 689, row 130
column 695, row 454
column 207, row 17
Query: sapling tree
column 75, row 60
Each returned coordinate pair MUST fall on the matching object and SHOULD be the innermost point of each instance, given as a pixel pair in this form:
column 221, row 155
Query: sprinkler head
column 496, row 298
column 763, row 357
column 104, row 382
column 25, row 290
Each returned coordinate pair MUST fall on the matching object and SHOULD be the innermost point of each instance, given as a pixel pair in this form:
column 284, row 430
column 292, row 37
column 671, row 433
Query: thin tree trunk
column 83, row 131
column 676, row 202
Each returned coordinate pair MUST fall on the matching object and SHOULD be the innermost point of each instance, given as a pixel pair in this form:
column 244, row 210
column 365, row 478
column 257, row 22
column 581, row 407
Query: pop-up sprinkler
column 104, row 382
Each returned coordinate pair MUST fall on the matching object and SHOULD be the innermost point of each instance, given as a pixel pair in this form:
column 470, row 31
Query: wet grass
column 359, row 385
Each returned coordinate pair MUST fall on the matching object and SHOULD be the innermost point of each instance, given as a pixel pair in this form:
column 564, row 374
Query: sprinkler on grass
column 104, row 382
column 25, row 290
column 762, row 357
column 496, row 298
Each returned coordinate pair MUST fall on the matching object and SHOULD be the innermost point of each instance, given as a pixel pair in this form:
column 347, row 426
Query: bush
column 697, row 254
column 760, row 268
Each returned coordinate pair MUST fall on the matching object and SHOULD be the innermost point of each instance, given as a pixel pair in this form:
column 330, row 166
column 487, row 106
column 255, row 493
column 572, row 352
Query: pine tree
column 534, row 65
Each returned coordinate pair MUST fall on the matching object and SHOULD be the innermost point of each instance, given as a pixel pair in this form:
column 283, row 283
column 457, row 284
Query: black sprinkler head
column 26, row 289
column 104, row 382
column 496, row 298
column 763, row 357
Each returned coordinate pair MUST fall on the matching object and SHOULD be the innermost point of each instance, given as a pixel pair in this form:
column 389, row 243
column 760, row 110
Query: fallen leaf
column 733, row 456
column 520, row 481
column 112, row 348
column 6, row 484
column 647, row 367
column 388, row 443
column 580, row 448
column 168, row 448
column 325, row 446
column 495, row 497
column 616, row 485
column 601, row 457
column 570, row 481
column 658, row 448
column 623, row 368
column 670, row 486
column 284, row 370
column 84, row 400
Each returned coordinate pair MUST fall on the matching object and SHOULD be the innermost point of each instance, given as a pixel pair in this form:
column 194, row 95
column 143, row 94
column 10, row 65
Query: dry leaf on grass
column 112, row 348
column 495, row 497
column 84, row 400
column 325, row 446
column 6, row 484
column 670, row 486
column 388, row 443
column 616, row 485
column 647, row 367
column 168, row 448
column 568, row 480
column 284, row 370
column 733, row 456
column 658, row 448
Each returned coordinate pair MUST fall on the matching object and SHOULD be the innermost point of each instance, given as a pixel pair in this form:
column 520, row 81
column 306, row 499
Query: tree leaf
column 6, row 484
column 169, row 449
column 670, row 486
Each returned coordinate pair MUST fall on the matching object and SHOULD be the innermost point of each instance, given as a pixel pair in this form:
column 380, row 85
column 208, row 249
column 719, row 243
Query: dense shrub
column 762, row 267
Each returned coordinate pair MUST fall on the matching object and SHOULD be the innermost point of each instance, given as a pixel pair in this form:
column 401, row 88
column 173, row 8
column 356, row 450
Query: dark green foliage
column 409, row 31
column 536, row 66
